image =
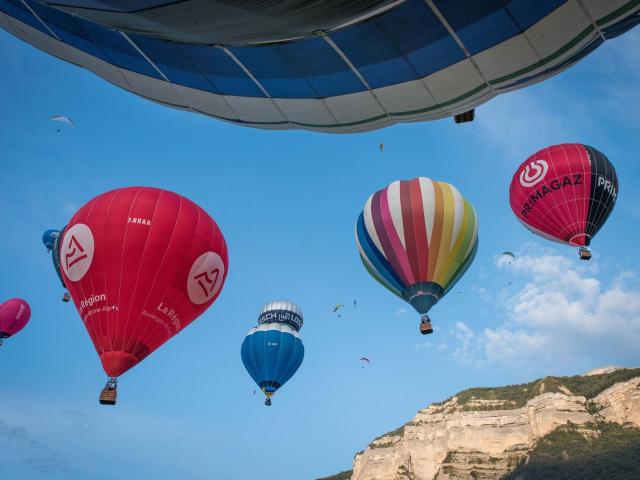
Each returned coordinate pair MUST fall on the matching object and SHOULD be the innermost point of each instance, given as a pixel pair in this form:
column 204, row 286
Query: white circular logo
column 533, row 173
column 76, row 251
column 205, row 278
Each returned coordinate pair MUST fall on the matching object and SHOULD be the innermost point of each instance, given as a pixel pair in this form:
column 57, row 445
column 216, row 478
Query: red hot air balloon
column 140, row 264
column 14, row 315
column 565, row 193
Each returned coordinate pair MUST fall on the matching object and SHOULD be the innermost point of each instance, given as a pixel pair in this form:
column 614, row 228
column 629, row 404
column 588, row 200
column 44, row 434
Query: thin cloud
column 79, row 422
column 38, row 455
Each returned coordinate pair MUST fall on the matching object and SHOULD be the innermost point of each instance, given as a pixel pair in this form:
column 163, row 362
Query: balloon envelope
column 49, row 237
column 328, row 66
column 14, row 315
column 140, row 264
column 564, row 193
column 272, row 353
column 417, row 238
column 282, row 311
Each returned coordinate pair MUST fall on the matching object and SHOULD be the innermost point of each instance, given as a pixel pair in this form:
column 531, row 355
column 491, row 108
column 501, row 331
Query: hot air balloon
column 417, row 238
column 320, row 65
column 565, row 193
column 282, row 311
column 51, row 240
column 14, row 315
column 272, row 353
column 140, row 264
column 49, row 237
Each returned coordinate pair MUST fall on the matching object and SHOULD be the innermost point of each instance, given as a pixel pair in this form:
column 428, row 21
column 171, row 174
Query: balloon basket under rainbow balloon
column 109, row 393
column 425, row 325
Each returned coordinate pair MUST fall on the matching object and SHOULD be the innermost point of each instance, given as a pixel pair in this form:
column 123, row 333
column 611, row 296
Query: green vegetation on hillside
column 346, row 475
column 602, row 451
column 516, row 396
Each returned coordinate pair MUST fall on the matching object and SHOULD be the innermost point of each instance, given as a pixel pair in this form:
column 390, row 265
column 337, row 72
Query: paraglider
column 508, row 256
column 62, row 119
column 51, row 240
column 327, row 66
column 364, row 360
column 337, row 308
column 272, row 352
column 14, row 315
column 140, row 264
column 417, row 238
column 565, row 193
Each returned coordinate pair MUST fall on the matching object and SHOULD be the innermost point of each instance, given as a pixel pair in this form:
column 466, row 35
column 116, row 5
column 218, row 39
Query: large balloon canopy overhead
column 140, row 264
column 418, row 238
column 565, row 193
column 320, row 65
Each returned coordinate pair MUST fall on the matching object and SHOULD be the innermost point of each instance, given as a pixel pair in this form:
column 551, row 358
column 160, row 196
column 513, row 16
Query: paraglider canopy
column 508, row 256
column 62, row 119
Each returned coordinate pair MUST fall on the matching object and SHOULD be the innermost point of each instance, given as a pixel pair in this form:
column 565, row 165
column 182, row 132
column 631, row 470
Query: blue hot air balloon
column 272, row 353
column 51, row 240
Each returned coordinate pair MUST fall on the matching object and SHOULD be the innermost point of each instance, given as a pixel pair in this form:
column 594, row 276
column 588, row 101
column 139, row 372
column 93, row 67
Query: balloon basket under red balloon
column 109, row 392
column 2, row 337
column 584, row 253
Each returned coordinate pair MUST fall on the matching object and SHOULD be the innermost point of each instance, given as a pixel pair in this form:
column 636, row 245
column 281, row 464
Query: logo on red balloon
column 533, row 173
column 205, row 278
column 77, row 251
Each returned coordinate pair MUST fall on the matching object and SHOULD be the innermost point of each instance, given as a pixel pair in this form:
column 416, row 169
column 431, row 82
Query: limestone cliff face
column 484, row 434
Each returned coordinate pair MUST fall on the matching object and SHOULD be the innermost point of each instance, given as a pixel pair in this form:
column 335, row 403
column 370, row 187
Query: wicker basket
column 108, row 396
column 465, row 117
column 426, row 328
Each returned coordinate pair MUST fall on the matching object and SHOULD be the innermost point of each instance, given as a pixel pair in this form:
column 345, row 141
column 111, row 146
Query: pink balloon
column 14, row 315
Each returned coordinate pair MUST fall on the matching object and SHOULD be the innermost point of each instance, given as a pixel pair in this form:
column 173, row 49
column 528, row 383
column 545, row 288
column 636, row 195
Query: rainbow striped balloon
column 417, row 238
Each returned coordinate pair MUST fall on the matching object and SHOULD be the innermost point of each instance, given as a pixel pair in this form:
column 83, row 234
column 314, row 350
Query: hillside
column 587, row 424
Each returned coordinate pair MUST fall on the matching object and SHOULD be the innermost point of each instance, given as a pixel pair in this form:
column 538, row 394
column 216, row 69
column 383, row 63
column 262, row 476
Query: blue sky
column 286, row 203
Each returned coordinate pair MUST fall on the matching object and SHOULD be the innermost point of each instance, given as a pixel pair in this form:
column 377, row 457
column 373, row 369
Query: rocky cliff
column 489, row 433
